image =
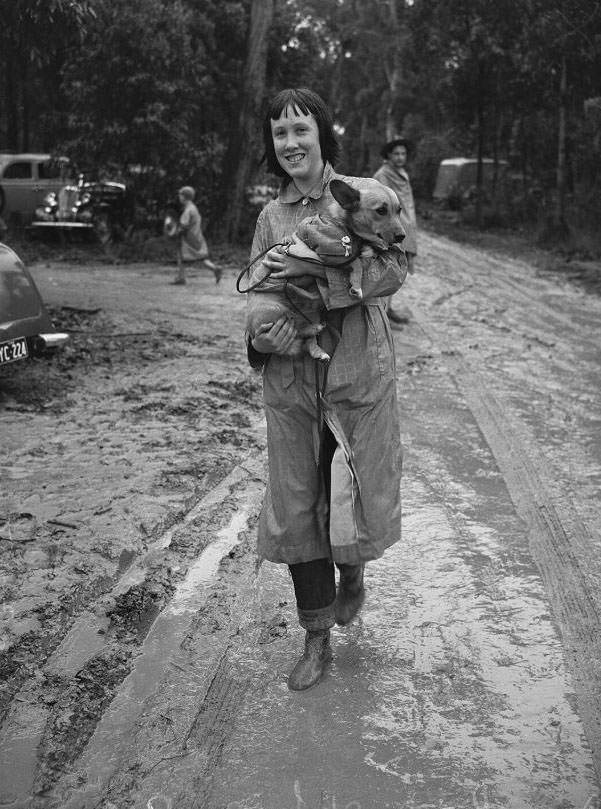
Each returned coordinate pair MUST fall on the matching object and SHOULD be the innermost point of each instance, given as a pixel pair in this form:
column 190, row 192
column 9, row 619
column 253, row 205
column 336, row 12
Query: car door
column 19, row 190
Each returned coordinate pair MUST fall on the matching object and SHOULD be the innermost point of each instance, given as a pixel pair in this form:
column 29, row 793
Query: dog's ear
column 347, row 197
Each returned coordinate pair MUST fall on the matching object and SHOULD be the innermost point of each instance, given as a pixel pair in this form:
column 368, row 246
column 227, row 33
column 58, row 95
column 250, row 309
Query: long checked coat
column 355, row 397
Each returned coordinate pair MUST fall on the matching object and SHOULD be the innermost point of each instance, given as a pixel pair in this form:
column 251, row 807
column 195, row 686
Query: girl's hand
column 286, row 262
column 275, row 338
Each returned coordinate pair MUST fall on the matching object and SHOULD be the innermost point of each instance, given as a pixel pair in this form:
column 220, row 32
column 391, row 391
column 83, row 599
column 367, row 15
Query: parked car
column 456, row 179
column 26, row 329
column 25, row 179
column 103, row 207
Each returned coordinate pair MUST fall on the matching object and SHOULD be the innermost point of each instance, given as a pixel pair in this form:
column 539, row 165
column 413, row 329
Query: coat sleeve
column 382, row 275
column 185, row 220
column 260, row 242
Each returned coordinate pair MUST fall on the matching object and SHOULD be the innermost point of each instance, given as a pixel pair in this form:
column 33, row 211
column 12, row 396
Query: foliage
column 143, row 93
column 150, row 89
column 34, row 37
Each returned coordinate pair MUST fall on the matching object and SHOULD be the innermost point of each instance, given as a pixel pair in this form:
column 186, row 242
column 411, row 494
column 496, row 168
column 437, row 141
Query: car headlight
column 50, row 198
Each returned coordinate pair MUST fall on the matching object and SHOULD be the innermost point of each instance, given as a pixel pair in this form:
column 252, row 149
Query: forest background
column 170, row 92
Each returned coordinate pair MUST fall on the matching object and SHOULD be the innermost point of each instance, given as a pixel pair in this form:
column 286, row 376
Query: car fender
column 22, row 310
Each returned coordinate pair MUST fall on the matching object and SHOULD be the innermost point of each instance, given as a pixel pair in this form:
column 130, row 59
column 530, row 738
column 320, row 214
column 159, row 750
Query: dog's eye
column 382, row 210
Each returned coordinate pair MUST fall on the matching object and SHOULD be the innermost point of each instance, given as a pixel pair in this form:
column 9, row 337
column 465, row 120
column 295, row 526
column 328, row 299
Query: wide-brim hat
column 392, row 144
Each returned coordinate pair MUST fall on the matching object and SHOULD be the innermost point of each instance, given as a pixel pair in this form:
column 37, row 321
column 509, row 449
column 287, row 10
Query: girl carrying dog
column 333, row 435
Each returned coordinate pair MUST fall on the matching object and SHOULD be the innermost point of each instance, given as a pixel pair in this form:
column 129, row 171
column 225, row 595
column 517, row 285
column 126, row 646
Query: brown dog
column 359, row 223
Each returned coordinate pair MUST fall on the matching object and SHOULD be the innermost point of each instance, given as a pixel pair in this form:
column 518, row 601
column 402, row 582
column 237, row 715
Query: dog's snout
column 398, row 237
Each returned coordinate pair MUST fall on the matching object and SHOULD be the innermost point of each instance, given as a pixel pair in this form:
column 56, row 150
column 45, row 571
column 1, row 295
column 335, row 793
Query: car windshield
column 18, row 299
column 54, row 169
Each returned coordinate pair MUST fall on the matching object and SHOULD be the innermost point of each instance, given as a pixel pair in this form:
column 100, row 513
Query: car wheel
column 2, row 199
column 102, row 228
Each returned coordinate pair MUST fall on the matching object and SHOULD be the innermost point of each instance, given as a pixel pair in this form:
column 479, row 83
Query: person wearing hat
column 192, row 245
column 393, row 173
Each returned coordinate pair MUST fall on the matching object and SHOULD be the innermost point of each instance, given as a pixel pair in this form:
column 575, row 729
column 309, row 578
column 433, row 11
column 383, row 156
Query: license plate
column 13, row 350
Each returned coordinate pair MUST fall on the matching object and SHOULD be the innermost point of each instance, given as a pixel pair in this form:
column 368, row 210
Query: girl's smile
column 297, row 147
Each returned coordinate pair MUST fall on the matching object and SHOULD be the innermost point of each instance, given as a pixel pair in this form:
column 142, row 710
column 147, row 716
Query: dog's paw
column 311, row 329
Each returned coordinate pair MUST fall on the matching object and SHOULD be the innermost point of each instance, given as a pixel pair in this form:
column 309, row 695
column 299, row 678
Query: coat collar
column 289, row 193
column 393, row 170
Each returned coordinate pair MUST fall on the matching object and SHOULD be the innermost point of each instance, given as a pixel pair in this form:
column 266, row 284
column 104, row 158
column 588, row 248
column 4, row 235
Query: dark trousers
column 314, row 581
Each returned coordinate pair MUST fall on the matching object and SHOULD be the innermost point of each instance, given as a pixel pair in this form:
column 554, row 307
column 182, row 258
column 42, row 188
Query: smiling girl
column 333, row 435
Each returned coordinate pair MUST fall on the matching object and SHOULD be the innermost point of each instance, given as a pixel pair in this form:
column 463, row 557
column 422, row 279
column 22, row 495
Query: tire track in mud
column 551, row 543
column 175, row 683
column 101, row 652
column 68, row 535
column 555, row 526
column 210, row 732
column 494, row 274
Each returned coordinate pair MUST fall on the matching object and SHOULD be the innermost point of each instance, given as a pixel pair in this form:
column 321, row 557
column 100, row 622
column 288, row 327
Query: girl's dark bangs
column 288, row 99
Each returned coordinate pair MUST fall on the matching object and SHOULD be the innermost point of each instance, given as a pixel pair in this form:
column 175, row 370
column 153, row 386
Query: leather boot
column 312, row 665
column 351, row 593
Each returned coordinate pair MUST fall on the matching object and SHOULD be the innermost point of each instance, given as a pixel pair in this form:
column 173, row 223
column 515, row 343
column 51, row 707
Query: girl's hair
column 306, row 102
column 187, row 192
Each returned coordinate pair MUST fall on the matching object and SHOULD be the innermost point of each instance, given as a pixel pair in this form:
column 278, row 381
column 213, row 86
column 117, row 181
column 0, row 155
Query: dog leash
column 250, row 265
column 260, row 255
column 258, row 283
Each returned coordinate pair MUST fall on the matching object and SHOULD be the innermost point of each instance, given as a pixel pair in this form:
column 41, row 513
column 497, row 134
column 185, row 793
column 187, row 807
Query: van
column 457, row 177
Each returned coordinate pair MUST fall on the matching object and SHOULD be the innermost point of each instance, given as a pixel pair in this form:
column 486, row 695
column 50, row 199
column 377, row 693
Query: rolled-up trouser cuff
column 312, row 620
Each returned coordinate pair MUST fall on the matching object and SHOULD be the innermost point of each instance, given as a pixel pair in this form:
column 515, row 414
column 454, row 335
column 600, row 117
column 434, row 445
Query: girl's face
column 297, row 147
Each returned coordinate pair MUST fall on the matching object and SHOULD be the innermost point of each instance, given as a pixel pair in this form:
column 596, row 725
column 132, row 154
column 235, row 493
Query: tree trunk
column 12, row 106
column 393, row 73
column 25, row 107
column 480, row 147
column 555, row 229
column 242, row 151
column 364, row 166
column 560, row 202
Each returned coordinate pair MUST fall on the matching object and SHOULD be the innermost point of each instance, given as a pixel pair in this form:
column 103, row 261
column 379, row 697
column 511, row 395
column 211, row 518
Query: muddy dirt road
column 143, row 654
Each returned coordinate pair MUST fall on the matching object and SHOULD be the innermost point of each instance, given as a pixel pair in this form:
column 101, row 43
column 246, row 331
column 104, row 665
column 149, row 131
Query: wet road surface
column 472, row 677
column 452, row 689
